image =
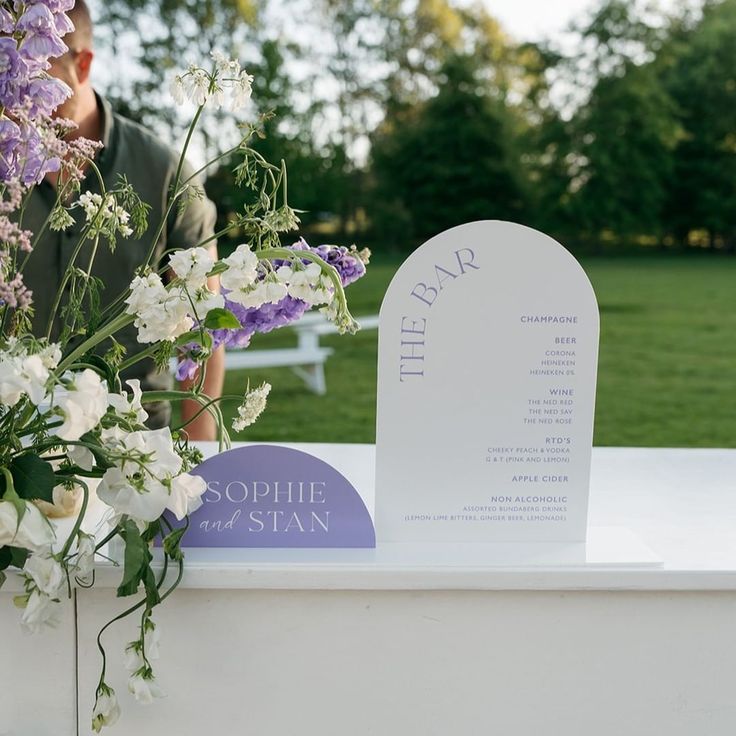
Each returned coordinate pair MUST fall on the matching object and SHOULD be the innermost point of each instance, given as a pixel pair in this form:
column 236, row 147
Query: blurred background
column 609, row 125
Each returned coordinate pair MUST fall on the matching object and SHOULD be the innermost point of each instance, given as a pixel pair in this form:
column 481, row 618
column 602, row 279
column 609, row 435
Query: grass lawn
column 666, row 372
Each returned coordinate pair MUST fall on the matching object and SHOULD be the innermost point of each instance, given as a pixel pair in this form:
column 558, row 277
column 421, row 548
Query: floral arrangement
column 68, row 427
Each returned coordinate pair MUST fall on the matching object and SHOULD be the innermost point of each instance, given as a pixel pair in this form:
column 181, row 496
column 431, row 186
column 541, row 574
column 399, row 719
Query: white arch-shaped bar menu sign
column 487, row 361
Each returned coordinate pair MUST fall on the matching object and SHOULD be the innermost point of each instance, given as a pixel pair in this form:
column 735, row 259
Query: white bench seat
column 307, row 359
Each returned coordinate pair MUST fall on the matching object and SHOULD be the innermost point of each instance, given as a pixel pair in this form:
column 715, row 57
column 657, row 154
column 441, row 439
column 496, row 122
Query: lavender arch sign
column 488, row 350
column 270, row 496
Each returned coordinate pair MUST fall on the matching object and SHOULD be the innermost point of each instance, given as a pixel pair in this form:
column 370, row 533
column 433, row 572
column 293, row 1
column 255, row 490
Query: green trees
column 444, row 162
column 400, row 118
column 702, row 81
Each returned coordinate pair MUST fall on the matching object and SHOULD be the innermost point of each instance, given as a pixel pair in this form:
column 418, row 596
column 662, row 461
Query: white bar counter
column 447, row 639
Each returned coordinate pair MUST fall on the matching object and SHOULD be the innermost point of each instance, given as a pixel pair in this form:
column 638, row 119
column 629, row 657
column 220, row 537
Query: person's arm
column 190, row 226
column 204, row 426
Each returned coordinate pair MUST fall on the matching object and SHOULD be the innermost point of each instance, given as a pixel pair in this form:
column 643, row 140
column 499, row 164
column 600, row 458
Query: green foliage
column 445, row 162
column 33, row 477
column 703, row 83
column 137, row 565
column 660, row 315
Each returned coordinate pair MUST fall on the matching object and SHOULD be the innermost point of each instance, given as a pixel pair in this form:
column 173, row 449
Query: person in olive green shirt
column 131, row 150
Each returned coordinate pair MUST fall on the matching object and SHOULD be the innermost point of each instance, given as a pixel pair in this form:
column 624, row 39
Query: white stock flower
column 192, row 266
column 161, row 313
column 253, row 405
column 82, row 404
column 146, row 292
column 302, row 283
column 242, row 270
column 144, row 687
column 186, row 494
column 107, row 710
column 250, row 296
column 130, row 407
column 34, row 532
column 205, row 301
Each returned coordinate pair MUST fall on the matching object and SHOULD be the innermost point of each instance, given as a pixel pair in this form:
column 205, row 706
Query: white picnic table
column 307, row 359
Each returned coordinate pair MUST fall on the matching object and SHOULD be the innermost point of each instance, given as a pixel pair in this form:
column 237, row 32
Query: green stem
column 110, row 328
column 78, row 523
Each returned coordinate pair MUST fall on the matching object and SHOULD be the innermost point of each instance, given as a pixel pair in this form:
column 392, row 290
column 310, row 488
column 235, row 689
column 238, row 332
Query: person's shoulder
column 139, row 141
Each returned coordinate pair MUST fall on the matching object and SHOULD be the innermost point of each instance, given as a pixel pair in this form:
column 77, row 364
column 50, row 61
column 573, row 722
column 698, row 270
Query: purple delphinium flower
column 13, row 72
column 41, row 38
column 44, row 95
column 271, row 316
column 347, row 264
column 9, row 141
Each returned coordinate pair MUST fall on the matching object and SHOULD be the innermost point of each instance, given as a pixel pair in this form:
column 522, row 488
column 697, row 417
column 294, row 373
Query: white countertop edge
column 314, row 577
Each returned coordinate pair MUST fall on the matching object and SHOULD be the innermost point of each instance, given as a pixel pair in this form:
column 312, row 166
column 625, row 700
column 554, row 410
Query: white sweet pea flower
column 242, row 269
column 252, row 407
column 192, row 266
column 186, row 494
column 129, row 407
column 134, row 657
column 82, row 405
column 39, row 611
column 137, row 486
column 107, row 710
column 140, row 498
column 22, row 375
column 85, row 563
column 65, row 501
column 34, row 532
column 50, row 355
column 81, row 456
column 133, row 660
column 46, row 573
column 144, row 687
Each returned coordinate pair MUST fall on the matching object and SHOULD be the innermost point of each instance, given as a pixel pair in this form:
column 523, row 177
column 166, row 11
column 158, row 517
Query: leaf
column 6, row 557
column 33, row 477
column 172, row 543
column 15, row 556
column 136, row 560
column 196, row 337
column 104, row 368
column 19, row 555
column 221, row 319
